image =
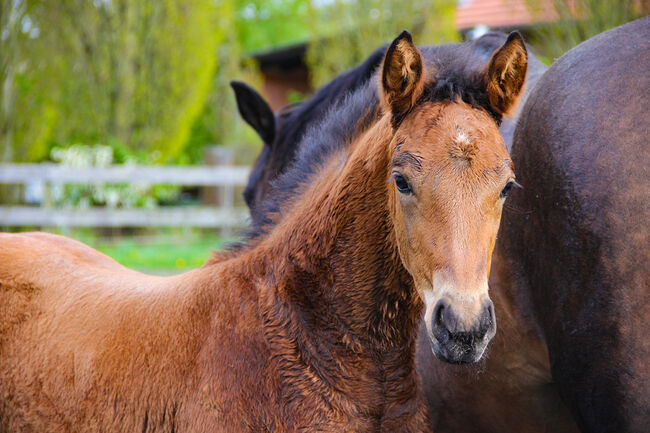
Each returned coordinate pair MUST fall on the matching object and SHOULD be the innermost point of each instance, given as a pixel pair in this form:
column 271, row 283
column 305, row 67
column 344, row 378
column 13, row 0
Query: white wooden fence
column 224, row 216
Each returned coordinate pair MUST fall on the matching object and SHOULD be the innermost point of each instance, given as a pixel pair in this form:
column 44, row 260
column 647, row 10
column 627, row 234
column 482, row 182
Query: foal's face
column 450, row 176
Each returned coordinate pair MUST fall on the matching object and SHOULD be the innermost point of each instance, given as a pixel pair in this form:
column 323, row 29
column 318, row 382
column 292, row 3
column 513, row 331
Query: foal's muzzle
column 452, row 342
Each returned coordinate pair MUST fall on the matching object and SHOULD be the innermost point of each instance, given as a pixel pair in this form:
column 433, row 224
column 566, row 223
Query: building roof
column 501, row 13
column 287, row 57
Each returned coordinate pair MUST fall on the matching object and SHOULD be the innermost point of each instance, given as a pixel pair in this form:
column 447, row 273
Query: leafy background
column 147, row 81
column 152, row 77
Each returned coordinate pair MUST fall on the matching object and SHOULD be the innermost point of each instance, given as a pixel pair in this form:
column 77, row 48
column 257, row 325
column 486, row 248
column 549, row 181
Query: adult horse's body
column 580, row 243
column 312, row 328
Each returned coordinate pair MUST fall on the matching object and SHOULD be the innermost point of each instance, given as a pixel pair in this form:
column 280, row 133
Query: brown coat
column 312, row 330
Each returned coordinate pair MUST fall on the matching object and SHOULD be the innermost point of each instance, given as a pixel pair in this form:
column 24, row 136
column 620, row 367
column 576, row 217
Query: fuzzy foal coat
column 313, row 329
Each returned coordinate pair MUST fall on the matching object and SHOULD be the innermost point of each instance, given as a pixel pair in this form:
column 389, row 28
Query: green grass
column 156, row 251
column 158, row 254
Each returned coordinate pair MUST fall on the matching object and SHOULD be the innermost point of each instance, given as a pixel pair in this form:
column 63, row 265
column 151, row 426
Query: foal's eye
column 402, row 185
column 506, row 189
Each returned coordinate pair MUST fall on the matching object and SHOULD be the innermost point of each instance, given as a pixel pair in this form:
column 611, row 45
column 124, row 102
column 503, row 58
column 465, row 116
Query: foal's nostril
column 487, row 323
column 446, row 325
column 439, row 327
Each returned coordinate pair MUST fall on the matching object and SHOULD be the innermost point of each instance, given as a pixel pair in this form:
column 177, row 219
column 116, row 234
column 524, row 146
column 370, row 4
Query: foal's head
column 451, row 174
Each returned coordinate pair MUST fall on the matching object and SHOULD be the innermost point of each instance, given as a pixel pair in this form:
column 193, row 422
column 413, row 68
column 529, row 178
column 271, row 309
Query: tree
column 344, row 33
column 263, row 24
column 219, row 121
column 136, row 72
column 152, row 76
column 566, row 24
column 27, row 100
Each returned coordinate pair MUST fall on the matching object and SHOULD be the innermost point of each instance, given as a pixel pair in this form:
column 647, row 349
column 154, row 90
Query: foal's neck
column 336, row 254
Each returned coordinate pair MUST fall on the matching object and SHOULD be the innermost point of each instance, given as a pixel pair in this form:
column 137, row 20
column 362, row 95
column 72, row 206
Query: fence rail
column 225, row 216
column 155, row 175
column 102, row 217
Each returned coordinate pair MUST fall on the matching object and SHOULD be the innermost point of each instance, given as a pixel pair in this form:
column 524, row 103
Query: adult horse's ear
column 401, row 77
column 255, row 111
column 506, row 73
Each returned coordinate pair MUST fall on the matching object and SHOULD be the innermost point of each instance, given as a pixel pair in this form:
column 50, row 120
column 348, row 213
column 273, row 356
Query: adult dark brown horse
column 312, row 328
column 580, row 244
column 460, row 398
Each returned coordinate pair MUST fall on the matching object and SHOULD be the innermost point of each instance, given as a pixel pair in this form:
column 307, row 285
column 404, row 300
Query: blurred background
column 118, row 126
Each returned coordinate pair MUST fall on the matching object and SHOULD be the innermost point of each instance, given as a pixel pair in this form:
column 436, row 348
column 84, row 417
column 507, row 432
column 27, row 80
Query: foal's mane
column 458, row 76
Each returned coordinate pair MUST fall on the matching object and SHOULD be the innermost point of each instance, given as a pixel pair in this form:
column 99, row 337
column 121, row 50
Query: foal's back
column 80, row 332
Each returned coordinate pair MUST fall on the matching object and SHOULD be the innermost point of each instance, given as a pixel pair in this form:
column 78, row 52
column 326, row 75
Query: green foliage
column 294, row 96
column 77, row 70
column 184, row 48
column 133, row 195
column 344, row 33
column 578, row 21
column 219, row 121
column 27, row 99
column 154, row 76
column 264, row 24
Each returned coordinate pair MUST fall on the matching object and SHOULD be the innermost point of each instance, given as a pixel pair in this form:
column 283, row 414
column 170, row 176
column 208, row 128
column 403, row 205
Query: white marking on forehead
column 462, row 136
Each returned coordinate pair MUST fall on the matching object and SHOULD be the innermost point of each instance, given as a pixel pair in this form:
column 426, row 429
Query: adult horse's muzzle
column 456, row 343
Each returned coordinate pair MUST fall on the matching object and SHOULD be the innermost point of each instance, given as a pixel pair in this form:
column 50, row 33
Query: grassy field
column 159, row 254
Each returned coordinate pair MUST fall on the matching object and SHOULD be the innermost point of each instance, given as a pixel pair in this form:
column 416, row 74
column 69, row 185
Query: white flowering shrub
column 134, row 195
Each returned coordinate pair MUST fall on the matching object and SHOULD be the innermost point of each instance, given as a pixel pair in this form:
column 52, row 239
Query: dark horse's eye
column 506, row 189
column 402, row 185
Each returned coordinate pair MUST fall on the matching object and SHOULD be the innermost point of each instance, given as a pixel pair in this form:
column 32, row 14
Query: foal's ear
column 401, row 77
column 255, row 111
column 506, row 73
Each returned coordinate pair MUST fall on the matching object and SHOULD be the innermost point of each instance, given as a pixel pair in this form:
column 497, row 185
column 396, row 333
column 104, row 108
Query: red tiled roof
column 500, row 13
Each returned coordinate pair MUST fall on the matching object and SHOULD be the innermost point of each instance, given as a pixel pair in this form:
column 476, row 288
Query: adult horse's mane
column 458, row 73
column 282, row 131
column 295, row 118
